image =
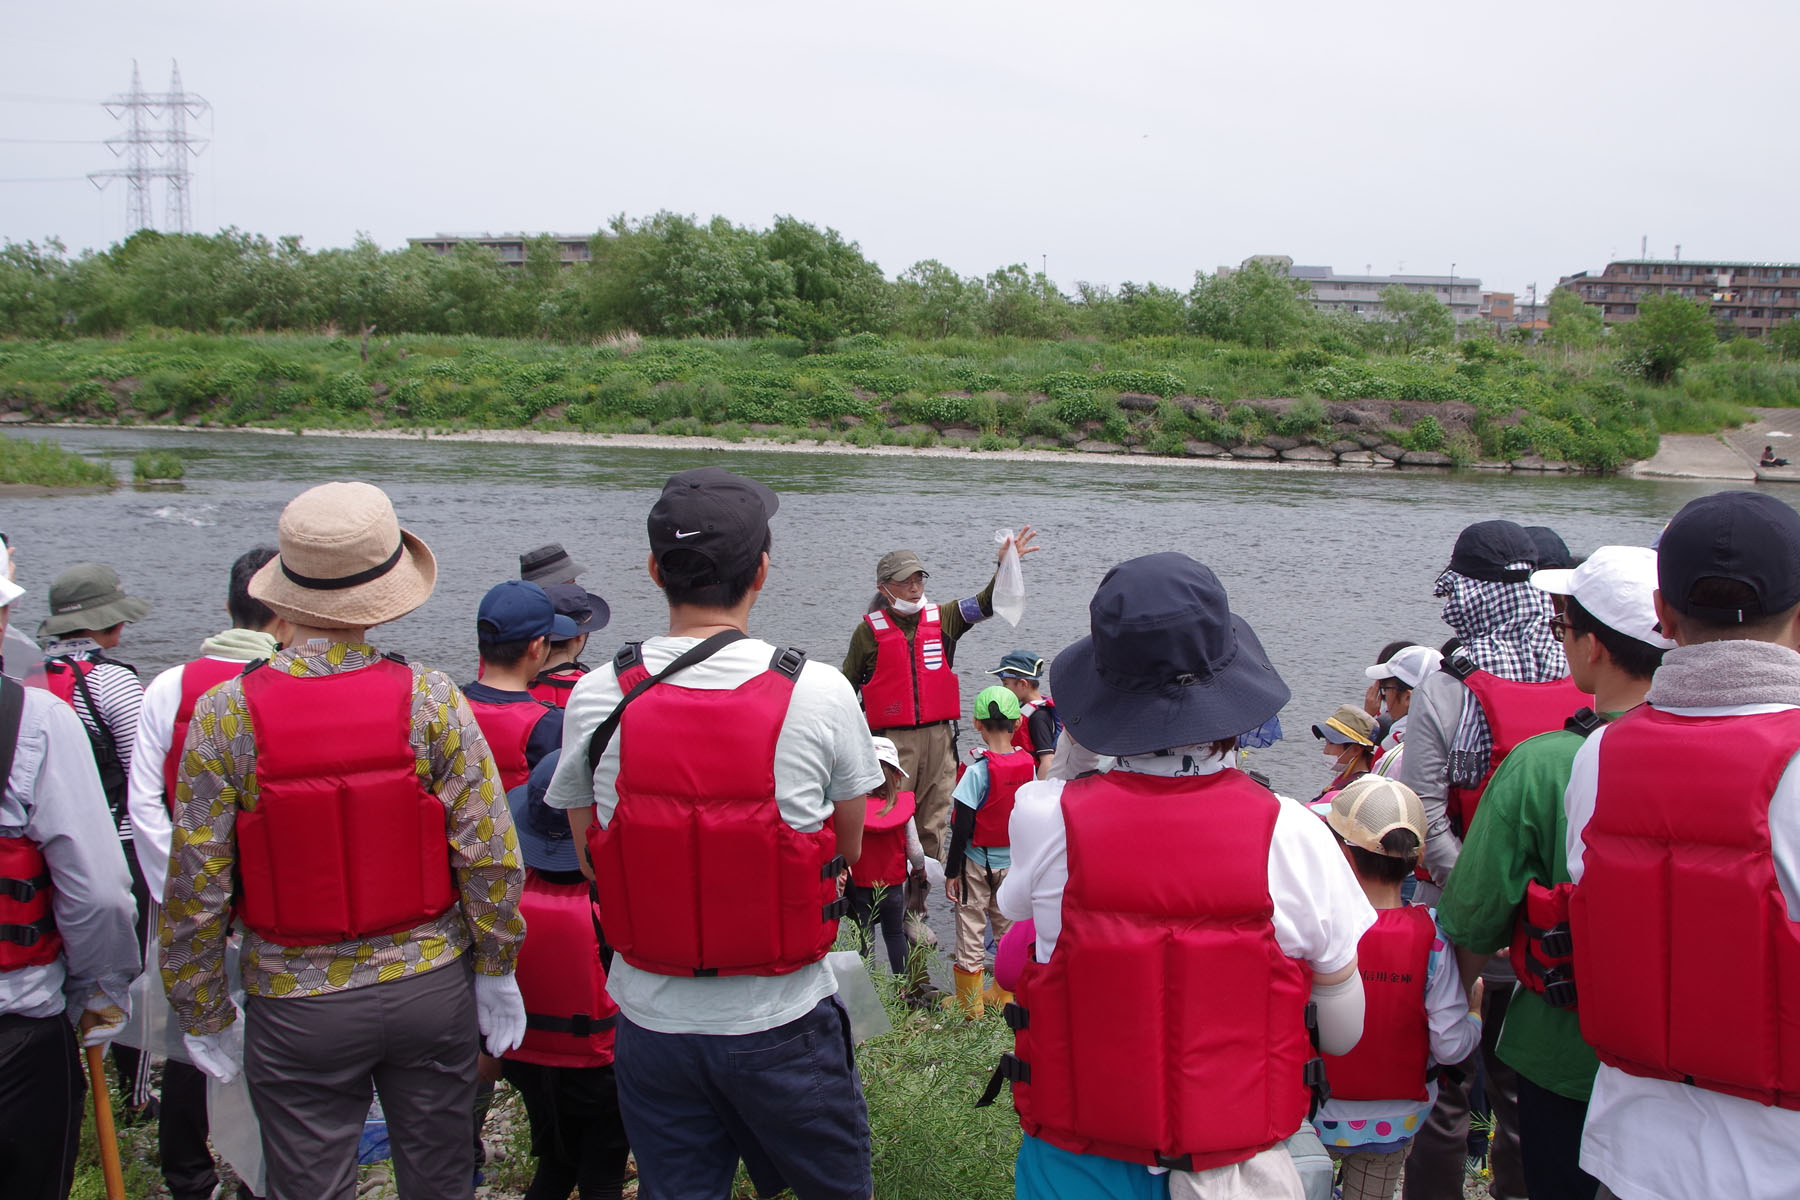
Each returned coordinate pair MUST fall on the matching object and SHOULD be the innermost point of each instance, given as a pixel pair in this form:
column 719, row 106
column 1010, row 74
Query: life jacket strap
column 23, row 890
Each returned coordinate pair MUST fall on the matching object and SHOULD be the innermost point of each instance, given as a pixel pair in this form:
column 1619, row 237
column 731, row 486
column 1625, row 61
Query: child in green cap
column 979, row 843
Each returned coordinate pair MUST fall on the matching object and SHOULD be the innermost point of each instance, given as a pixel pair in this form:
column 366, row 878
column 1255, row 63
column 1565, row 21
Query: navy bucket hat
column 545, row 841
column 1167, row 663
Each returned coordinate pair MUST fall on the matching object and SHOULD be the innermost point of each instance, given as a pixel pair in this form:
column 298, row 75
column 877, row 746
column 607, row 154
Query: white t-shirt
column 150, row 823
column 1650, row 1139
column 1320, row 910
column 822, row 757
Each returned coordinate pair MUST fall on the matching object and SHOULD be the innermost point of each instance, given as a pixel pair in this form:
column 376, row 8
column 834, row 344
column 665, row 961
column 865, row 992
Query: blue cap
column 545, row 842
column 517, row 611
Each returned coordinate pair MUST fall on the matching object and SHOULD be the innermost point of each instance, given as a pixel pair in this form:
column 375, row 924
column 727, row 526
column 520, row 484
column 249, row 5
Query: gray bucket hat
column 89, row 596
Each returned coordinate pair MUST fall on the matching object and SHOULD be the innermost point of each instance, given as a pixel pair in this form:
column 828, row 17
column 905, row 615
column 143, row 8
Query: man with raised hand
column 716, row 784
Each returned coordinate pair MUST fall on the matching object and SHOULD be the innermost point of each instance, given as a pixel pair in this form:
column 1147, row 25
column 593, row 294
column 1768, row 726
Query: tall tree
column 1668, row 333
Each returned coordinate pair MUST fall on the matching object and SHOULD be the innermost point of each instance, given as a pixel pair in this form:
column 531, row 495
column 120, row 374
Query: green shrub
column 1427, row 434
column 46, row 464
column 156, row 464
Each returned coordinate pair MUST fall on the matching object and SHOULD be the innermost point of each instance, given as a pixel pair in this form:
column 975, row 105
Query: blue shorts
column 787, row 1101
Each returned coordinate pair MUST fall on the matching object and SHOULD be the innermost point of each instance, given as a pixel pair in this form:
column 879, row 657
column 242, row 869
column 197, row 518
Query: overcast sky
column 1136, row 139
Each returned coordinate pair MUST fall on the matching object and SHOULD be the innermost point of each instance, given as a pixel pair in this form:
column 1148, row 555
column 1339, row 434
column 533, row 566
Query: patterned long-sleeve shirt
column 217, row 780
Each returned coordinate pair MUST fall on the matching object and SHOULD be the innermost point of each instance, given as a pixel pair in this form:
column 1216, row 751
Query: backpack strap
column 603, row 734
column 12, row 711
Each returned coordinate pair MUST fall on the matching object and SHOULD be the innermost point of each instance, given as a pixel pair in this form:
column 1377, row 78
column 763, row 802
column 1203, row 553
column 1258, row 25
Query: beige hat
column 1348, row 724
column 1373, row 806
column 344, row 562
column 898, row 564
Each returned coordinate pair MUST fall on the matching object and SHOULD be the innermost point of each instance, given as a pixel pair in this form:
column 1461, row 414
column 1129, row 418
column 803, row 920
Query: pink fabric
column 1014, row 949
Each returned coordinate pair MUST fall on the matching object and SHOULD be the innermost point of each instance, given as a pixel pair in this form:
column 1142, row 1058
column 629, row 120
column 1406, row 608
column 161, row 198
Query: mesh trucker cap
column 1371, row 807
column 1748, row 537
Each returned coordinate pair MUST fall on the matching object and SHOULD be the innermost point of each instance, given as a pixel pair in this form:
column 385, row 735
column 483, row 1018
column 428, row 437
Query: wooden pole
column 103, row 1125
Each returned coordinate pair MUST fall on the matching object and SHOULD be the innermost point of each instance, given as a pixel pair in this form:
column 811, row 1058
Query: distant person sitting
column 1769, row 459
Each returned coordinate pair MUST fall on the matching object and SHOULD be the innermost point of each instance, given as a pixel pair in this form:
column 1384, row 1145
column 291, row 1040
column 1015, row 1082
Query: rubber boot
column 996, row 997
column 968, row 994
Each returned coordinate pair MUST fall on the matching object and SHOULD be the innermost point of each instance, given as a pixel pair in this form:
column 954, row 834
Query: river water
column 1327, row 566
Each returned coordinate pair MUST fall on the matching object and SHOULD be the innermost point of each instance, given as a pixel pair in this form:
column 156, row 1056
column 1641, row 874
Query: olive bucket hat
column 1167, row 663
column 89, row 596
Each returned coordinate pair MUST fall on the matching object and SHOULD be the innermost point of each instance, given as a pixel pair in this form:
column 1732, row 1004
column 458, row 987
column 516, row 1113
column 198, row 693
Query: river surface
column 1327, row 566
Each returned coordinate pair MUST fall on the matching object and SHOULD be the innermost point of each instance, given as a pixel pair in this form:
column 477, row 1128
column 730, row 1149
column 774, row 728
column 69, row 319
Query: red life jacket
column 1218, row 1069
column 569, row 1018
column 344, row 843
column 883, row 860
column 1542, row 952
column 28, row 936
column 698, row 873
column 912, row 683
column 1006, row 774
column 1514, row 712
column 196, row 678
column 1688, row 962
column 507, row 725
column 1021, row 738
column 1391, row 1060
column 554, row 685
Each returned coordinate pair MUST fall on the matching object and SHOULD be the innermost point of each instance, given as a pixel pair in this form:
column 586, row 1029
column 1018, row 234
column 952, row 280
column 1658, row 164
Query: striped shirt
column 118, row 694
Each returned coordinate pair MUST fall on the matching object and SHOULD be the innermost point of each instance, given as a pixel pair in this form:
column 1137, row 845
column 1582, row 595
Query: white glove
column 102, row 1020
column 934, row 874
column 220, row 1055
column 500, row 1012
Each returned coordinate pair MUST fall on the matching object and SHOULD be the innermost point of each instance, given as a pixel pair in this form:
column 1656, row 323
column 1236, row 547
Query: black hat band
column 346, row 581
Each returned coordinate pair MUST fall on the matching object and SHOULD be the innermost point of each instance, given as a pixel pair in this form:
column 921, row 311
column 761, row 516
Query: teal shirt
column 972, row 790
column 1520, row 834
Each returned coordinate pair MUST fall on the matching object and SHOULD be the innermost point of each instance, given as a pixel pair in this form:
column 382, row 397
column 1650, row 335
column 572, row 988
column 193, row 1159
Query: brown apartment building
column 1752, row 297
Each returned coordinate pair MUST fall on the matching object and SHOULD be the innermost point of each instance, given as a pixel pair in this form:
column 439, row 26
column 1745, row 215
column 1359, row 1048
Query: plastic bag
column 235, row 1132
column 152, row 1026
column 1009, row 580
column 856, row 992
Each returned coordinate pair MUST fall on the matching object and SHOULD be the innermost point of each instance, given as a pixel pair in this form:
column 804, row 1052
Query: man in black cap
column 590, row 613
column 715, row 785
column 1163, row 1019
column 1684, row 846
column 1508, row 681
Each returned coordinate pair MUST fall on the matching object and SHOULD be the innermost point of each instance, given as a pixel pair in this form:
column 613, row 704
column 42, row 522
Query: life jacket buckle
column 837, row 866
column 1175, row 1162
column 1559, row 991
column 23, row 890
column 1556, row 941
column 836, row 909
column 1017, row 1016
column 1015, row 1069
column 27, row 935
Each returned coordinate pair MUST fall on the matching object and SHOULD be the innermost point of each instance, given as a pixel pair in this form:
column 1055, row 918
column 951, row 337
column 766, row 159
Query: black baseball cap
column 1487, row 551
column 1748, row 537
column 722, row 517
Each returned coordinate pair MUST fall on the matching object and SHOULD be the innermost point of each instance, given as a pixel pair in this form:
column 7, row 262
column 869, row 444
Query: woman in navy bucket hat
column 1185, row 916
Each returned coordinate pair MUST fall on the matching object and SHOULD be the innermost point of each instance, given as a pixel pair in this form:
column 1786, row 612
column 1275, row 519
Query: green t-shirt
column 1520, row 834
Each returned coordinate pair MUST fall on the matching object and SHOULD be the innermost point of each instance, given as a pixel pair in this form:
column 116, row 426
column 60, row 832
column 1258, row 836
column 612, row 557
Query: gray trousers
column 310, row 1062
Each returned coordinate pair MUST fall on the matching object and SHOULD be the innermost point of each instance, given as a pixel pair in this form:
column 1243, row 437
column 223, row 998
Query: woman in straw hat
column 1185, row 916
column 346, row 806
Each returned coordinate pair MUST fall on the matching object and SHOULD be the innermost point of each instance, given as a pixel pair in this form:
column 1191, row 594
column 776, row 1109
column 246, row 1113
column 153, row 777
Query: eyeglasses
column 1562, row 628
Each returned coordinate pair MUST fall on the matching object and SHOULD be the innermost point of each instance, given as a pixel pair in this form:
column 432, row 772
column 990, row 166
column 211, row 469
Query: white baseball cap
column 887, row 752
column 1410, row 665
column 9, row 591
column 1615, row 585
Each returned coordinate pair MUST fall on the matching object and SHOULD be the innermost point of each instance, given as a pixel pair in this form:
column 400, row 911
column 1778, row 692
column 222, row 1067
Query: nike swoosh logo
column 692, row 533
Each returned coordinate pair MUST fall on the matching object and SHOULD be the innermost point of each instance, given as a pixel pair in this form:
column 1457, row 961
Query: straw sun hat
column 344, row 562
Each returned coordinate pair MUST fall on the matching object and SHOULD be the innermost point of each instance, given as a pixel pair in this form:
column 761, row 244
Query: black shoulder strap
column 12, row 710
column 603, row 734
column 93, row 706
column 788, row 662
column 1584, row 722
column 1460, row 664
column 630, row 655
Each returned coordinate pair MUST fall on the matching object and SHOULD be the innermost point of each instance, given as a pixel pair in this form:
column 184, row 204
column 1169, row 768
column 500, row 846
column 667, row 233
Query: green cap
column 995, row 702
column 89, row 596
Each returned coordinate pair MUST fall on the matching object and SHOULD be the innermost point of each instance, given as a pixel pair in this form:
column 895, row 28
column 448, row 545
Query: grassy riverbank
column 1176, row 395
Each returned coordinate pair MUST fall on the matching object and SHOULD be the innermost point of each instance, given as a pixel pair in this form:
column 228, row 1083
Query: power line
column 49, row 179
column 23, row 98
column 54, row 141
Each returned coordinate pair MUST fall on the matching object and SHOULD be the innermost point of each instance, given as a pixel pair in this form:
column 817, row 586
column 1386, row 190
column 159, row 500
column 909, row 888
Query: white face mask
column 1338, row 765
column 907, row 608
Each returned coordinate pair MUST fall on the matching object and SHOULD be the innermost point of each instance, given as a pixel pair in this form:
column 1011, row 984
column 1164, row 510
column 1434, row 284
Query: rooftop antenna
column 1677, row 251
column 1644, row 247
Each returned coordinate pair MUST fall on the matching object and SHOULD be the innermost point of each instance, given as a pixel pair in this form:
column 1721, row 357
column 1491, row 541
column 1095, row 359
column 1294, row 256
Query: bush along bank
column 1479, row 403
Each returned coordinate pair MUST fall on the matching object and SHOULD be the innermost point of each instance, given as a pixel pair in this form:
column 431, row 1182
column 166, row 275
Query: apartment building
column 1752, row 297
column 510, row 247
column 1360, row 295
